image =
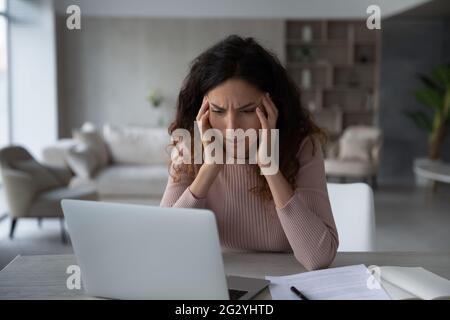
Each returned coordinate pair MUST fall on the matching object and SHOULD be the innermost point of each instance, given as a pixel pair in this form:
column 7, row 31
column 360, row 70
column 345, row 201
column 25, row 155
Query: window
column 4, row 105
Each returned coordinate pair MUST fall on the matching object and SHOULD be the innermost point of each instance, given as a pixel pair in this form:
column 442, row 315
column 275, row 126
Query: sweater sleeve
column 178, row 194
column 307, row 218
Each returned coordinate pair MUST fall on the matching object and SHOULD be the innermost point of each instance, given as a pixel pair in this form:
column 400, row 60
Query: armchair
column 34, row 190
column 355, row 155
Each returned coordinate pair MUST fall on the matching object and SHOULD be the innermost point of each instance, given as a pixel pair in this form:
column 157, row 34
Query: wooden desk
column 44, row 277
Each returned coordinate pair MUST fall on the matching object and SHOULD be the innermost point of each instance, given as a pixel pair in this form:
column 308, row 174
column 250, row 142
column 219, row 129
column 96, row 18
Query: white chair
column 353, row 212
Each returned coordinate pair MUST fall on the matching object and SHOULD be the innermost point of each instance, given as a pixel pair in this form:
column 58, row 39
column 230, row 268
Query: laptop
column 130, row 251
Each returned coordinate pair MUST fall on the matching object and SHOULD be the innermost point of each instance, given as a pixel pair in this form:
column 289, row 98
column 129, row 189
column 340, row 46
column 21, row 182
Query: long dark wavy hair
column 245, row 59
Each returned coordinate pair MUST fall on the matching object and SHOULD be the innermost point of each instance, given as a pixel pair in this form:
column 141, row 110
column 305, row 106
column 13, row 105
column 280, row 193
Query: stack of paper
column 344, row 283
column 359, row 282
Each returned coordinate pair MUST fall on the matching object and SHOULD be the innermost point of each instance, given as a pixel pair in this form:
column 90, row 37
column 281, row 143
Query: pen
column 298, row 293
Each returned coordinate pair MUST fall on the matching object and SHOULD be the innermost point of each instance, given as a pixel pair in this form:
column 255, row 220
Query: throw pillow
column 83, row 161
column 93, row 139
column 137, row 145
column 355, row 149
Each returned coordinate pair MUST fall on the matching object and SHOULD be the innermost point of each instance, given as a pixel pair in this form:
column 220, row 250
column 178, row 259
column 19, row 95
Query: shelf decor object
column 306, row 33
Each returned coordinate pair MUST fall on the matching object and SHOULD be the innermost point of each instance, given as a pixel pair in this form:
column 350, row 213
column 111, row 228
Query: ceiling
column 432, row 9
column 276, row 9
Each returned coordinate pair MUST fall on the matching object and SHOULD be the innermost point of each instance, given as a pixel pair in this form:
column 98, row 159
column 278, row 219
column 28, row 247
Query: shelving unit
column 335, row 64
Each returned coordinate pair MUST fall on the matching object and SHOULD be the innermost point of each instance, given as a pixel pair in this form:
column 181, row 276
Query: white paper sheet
column 344, row 283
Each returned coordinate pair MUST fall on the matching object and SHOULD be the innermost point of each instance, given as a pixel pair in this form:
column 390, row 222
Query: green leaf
column 430, row 98
column 421, row 119
column 430, row 83
column 441, row 75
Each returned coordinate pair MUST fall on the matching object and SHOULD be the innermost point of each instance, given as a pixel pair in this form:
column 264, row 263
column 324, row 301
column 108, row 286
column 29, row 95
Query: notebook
column 406, row 283
column 358, row 282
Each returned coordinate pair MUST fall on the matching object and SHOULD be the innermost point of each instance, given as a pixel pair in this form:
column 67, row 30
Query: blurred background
column 84, row 112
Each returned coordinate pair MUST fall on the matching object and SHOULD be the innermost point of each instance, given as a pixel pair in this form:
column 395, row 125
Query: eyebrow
column 240, row 108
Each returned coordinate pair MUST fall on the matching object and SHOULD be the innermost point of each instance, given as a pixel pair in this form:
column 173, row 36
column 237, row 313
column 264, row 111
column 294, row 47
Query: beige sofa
column 134, row 164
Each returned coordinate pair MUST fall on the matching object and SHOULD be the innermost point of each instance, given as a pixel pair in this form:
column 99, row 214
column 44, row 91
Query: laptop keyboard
column 236, row 294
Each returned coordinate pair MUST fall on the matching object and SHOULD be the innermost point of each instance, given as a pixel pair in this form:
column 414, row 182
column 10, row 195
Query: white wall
column 33, row 74
column 107, row 69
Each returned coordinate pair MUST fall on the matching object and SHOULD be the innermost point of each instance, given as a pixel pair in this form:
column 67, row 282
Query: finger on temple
column 204, row 120
column 270, row 107
column 203, row 107
column 262, row 118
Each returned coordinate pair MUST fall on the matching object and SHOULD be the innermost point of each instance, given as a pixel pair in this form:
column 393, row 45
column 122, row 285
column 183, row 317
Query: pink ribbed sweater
column 304, row 226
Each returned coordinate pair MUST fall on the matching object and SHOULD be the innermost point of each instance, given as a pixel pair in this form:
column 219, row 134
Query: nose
column 231, row 120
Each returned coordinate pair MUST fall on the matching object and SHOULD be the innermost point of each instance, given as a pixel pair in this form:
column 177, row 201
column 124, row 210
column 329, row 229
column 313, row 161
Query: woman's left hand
column 267, row 122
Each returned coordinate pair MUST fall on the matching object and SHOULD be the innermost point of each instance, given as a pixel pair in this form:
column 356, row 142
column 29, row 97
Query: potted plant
column 155, row 98
column 434, row 117
column 435, row 97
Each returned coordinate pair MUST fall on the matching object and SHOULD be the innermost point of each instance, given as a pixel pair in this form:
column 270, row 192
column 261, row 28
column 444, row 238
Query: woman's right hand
column 202, row 118
column 208, row 171
column 203, row 125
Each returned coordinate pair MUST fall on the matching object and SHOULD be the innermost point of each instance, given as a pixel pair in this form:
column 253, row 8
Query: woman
column 237, row 84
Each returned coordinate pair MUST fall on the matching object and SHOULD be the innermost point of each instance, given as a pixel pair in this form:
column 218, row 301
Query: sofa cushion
column 48, row 204
column 128, row 180
column 55, row 154
column 355, row 149
column 349, row 168
column 137, row 145
column 91, row 137
column 83, row 161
